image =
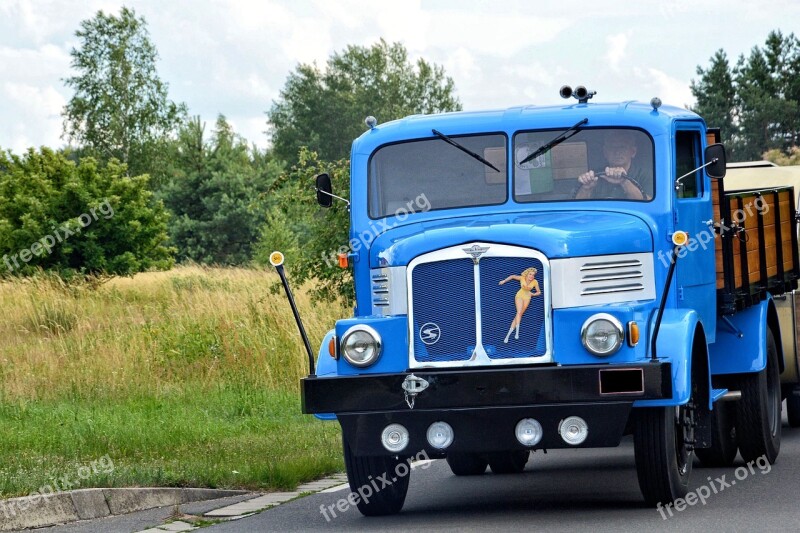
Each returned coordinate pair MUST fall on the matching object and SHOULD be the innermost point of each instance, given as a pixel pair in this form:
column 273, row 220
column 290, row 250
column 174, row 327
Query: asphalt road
column 563, row 490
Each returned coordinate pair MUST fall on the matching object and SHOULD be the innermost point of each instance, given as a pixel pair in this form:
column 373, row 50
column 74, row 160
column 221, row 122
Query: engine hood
column 556, row 234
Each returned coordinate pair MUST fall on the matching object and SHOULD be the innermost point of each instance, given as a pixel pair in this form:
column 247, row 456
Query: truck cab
column 537, row 278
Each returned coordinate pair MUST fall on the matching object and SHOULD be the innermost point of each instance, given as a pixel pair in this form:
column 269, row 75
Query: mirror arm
column 334, row 196
column 678, row 181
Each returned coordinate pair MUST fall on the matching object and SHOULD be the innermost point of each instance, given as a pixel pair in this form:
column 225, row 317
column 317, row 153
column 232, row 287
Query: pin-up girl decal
column 530, row 287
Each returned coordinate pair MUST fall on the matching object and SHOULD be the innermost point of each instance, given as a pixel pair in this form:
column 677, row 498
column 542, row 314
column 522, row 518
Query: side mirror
column 715, row 169
column 324, row 190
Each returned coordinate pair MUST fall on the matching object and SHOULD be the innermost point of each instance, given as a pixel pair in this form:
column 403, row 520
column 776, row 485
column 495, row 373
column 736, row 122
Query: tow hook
column 412, row 386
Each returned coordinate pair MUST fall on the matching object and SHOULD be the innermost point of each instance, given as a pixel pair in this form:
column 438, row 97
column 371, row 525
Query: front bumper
column 474, row 388
column 484, row 406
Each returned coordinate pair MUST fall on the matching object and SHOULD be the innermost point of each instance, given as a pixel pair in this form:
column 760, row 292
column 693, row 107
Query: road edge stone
column 85, row 504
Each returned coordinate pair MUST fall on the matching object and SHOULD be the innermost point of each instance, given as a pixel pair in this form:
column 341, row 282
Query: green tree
column 716, row 95
column 324, row 110
column 120, row 108
column 82, row 219
column 311, row 251
column 757, row 102
column 213, row 193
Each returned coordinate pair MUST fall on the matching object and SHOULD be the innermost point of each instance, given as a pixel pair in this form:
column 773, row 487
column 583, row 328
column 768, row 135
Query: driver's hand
column 588, row 179
column 615, row 175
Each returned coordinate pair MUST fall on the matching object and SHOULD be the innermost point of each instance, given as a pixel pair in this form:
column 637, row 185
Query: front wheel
column 758, row 415
column 662, row 445
column 386, row 495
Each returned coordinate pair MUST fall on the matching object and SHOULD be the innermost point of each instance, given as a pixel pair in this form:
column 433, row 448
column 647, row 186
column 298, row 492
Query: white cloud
column 670, row 90
column 461, row 65
column 37, row 116
column 617, row 47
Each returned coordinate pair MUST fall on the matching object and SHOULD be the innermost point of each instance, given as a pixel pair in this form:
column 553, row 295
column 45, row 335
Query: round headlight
column 602, row 334
column 361, row 345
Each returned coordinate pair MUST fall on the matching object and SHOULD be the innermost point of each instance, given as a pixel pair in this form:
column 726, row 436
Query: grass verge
column 188, row 378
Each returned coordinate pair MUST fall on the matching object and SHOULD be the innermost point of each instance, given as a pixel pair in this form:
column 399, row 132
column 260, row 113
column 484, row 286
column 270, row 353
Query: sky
column 232, row 57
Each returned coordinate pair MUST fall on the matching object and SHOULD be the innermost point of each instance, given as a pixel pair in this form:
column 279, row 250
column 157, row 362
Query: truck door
column 696, row 274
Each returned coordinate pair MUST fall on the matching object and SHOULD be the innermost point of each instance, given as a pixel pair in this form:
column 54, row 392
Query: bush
column 77, row 220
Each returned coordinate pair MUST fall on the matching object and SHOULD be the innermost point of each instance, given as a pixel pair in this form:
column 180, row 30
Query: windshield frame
column 584, row 129
column 434, row 138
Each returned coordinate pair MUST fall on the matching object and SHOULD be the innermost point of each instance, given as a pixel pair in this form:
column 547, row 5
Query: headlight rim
column 368, row 330
column 614, row 322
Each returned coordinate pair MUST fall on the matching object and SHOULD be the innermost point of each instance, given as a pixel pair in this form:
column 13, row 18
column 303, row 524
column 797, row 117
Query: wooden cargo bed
column 756, row 245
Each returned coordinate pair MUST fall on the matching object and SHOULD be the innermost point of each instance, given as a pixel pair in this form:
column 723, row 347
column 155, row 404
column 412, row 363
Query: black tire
column 793, row 409
column 663, row 457
column 724, row 447
column 509, row 462
column 466, row 464
column 758, row 413
column 361, row 475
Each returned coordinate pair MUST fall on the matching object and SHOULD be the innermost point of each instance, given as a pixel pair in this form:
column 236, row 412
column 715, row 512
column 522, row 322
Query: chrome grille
column 455, row 298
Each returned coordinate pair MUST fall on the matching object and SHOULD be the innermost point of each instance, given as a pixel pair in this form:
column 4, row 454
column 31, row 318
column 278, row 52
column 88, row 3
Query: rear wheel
column 361, row 475
column 793, row 408
column 758, row 414
column 723, row 448
column 466, row 464
column 512, row 462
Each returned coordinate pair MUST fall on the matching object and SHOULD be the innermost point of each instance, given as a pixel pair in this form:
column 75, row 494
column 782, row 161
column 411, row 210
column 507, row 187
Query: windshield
column 444, row 175
column 594, row 164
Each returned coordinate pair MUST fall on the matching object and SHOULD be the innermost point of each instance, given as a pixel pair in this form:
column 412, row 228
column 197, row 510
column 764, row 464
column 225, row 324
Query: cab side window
column 687, row 158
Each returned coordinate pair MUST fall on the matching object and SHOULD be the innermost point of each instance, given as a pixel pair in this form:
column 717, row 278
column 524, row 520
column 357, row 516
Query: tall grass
column 153, row 332
column 188, row 377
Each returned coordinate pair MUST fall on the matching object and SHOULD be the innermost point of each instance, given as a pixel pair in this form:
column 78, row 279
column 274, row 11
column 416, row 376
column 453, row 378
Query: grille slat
column 611, row 264
column 608, row 277
column 613, row 288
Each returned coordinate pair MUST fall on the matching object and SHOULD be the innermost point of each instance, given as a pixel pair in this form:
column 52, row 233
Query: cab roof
column 623, row 114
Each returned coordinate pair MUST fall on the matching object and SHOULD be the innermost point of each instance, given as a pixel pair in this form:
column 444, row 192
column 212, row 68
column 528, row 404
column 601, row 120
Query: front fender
column 674, row 343
column 741, row 345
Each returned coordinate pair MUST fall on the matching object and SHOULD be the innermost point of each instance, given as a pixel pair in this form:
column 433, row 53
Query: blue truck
column 557, row 277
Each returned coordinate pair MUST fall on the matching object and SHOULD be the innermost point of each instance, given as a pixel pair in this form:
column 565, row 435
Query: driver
column 619, row 179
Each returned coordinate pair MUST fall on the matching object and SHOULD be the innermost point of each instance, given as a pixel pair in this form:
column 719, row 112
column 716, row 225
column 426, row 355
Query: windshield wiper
column 561, row 138
column 464, row 149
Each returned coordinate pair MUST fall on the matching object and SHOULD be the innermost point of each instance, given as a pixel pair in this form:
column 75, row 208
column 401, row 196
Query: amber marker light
column 633, row 333
column 276, row 259
column 332, row 347
column 343, row 261
column 680, row 238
